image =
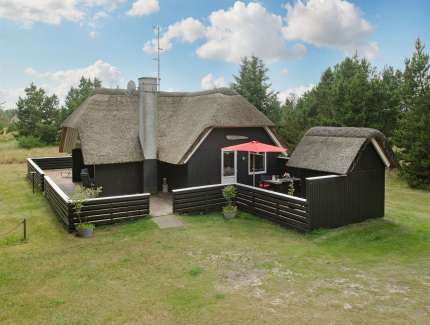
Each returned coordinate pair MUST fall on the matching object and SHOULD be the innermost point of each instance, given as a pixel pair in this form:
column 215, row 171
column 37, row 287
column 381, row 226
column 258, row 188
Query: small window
column 260, row 163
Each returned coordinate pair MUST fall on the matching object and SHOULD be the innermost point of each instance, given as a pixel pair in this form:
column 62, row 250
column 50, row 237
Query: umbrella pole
column 253, row 170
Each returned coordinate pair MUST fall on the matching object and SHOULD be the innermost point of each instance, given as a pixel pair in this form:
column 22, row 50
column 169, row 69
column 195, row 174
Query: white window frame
column 228, row 179
column 250, row 162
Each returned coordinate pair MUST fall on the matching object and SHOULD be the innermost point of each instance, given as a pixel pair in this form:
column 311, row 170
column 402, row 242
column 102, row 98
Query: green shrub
column 229, row 194
column 29, row 142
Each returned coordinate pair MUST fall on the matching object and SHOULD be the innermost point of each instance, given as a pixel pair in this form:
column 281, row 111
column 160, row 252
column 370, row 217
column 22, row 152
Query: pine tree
column 352, row 93
column 252, row 83
column 77, row 95
column 38, row 115
column 413, row 134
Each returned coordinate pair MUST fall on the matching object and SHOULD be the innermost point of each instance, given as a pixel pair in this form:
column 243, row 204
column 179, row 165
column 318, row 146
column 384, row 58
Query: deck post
column 24, row 222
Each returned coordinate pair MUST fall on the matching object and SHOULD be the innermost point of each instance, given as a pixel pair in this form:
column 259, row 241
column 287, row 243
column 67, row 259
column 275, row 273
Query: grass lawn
column 213, row 271
column 10, row 153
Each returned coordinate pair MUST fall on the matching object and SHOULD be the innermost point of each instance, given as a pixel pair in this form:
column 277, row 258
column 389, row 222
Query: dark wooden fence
column 36, row 167
column 105, row 210
column 53, row 162
column 331, row 201
column 35, row 174
column 198, row 199
column 113, row 209
column 280, row 208
column 59, row 202
column 338, row 200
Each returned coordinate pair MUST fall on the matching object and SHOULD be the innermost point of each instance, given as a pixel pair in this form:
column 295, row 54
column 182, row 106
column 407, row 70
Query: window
column 228, row 163
column 260, row 163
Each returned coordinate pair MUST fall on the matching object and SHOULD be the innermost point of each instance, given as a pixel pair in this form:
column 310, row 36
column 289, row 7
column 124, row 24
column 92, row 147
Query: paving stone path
column 168, row 221
column 162, row 211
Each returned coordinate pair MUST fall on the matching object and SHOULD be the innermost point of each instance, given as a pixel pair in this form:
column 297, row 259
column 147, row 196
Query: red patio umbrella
column 255, row 147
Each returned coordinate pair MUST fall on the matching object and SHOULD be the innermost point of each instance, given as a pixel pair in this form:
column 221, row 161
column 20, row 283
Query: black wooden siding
column 339, row 200
column 176, row 175
column 204, row 167
column 119, row 179
column 78, row 164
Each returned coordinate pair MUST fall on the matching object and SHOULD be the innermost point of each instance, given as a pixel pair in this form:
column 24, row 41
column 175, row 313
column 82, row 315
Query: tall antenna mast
column 159, row 49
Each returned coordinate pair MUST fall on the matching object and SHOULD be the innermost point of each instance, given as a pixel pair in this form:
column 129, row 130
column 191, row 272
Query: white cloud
column 294, row 92
column 59, row 82
column 330, row 23
column 92, row 34
column 245, row 30
column 144, row 7
column 52, row 12
column 242, row 30
column 108, row 5
column 28, row 12
column 187, row 30
column 9, row 96
column 210, row 82
column 284, row 71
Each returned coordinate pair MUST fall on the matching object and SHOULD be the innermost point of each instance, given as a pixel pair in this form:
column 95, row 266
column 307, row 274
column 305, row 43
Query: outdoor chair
column 262, row 183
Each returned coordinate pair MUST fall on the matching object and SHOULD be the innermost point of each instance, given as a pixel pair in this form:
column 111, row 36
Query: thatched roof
column 107, row 123
column 334, row 149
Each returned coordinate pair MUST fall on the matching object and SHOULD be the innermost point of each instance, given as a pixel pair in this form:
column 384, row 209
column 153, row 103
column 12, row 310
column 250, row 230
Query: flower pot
column 229, row 212
column 85, row 230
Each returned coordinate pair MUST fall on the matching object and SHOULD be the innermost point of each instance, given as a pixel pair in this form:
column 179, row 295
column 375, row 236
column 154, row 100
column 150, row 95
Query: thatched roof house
column 337, row 149
column 107, row 124
column 131, row 139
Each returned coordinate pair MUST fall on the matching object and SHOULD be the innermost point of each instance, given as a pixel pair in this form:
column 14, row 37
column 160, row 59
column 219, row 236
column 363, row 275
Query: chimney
column 148, row 132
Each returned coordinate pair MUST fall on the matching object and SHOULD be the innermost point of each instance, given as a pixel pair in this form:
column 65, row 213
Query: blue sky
column 53, row 42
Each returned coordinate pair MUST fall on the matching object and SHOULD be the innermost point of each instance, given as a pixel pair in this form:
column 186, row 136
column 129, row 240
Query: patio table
column 281, row 181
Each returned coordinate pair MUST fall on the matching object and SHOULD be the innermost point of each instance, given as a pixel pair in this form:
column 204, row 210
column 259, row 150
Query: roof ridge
column 117, row 91
column 224, row 91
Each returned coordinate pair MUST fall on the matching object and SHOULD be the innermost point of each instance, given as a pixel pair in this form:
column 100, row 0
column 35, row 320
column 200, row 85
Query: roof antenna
column 159, row 49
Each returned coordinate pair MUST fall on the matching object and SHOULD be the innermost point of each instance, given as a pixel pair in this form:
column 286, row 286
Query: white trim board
column 273, row 137
column 380, row 152
column 203, row 138
column 198, row 145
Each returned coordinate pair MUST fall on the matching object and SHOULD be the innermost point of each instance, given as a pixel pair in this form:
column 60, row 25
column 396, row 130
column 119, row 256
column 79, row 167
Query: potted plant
column 229, row 193
column 84, row 228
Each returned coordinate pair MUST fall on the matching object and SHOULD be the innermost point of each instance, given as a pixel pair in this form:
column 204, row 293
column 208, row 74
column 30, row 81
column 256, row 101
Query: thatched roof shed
column 335, row 149
column 106, row 125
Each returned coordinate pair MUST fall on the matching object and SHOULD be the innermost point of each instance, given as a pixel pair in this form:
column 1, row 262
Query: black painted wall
column 119, row 179
column 176, row 175
column 358, row 196
column 204, row 167
column 77, row 164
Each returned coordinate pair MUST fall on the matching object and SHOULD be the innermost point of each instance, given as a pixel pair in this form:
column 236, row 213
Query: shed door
column 228, row 167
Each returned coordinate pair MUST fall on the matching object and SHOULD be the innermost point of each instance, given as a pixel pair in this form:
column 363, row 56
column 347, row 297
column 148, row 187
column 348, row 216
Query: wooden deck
column 63, row 178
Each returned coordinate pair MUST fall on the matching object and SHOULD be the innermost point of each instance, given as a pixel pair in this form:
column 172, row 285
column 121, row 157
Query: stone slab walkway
column 161, row 204
column 168, row 221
